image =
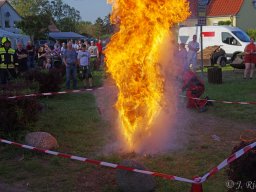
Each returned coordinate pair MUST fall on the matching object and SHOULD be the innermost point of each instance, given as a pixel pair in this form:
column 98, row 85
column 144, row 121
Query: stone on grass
column 41, row 140
column 134, row 182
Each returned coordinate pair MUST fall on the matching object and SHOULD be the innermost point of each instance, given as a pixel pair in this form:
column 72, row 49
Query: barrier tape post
column 197, row 187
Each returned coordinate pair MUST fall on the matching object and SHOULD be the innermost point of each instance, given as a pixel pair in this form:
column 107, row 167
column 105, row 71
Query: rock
column 134, row 182
column 41, row 140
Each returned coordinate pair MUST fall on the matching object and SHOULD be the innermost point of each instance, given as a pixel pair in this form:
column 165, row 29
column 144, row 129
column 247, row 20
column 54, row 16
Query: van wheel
column 223, row 62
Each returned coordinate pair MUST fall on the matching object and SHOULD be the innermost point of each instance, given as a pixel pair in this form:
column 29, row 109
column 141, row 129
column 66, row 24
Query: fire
column 132, row 58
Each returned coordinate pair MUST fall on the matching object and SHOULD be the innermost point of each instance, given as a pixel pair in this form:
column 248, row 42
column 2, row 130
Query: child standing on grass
column 85, row 71
column 47, row 64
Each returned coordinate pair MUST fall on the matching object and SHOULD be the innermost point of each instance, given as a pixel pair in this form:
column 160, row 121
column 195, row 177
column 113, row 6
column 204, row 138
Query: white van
column 231, row 39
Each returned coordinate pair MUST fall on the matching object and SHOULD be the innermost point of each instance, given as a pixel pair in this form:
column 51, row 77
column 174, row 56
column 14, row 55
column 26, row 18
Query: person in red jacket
column 194, row 89
column 250, row 58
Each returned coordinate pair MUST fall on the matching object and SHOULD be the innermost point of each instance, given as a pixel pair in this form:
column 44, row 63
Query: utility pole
column 201, row 12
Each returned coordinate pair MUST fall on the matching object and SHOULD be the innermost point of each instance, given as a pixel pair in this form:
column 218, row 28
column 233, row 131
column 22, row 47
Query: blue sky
column 90, row 10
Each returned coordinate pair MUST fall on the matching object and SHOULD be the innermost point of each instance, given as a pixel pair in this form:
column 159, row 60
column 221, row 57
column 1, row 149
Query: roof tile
column 224, row 7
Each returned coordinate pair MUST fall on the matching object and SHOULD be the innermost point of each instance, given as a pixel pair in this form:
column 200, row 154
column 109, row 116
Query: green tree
column 108, row 27
column 65, row 16
column 86, row 28
column 99, row 27
column 36, row 26
column 30, row 7
column 67, row 24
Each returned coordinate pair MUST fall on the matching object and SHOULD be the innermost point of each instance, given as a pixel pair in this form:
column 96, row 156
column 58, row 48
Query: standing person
column 41, row 57
column 8, row 61
column 249, row 58
column 57, row 45
column 48, row 64
column 63, row 48
column 47, row 50
column 193, row 48
column 80, row 43
column 22, row 58
column 93, row 50
column 99, row 45
column 31, row 55
column 183, row 57
column 83, row 60
column 75, row 45
column 70, row 61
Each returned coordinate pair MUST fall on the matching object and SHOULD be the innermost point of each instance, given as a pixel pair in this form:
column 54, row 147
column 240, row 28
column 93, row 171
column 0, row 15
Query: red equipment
column 194, row 89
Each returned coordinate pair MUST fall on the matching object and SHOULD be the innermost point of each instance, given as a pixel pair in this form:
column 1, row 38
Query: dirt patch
column 97, row 180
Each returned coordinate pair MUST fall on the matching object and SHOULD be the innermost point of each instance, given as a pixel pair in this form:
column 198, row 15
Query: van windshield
column 242, row 36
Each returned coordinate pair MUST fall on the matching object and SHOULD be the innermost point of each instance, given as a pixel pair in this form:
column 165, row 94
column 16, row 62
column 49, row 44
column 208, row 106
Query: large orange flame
column 133, row 56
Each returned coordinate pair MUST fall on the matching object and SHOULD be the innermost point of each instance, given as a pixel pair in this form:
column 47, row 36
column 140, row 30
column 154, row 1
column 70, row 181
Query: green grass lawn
column 76, row 123
column 233, row 88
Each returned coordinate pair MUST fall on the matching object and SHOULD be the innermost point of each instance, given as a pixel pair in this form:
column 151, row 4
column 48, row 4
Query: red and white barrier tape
column 228, row 161
column 83, row 90
column 226, row 102
column 52, row 93
column 197, row 180
column 96, row 162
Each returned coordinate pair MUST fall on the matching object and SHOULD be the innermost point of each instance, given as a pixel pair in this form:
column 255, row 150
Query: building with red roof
column 240, row 13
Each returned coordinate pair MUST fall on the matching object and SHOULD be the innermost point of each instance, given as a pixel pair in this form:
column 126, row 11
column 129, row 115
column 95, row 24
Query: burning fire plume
column 132, row 58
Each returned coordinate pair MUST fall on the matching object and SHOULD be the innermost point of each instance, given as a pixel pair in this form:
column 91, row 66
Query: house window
column 7, row 24
column 7, row 14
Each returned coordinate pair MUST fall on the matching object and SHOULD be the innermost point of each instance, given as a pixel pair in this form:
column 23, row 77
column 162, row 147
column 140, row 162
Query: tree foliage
column 99, row 28
column 251, row 33
column 65, row 17
column 30, row 7
column 36, row 26
column 36, row 12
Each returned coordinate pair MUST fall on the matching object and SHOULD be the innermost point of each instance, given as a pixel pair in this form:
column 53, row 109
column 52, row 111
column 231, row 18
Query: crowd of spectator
column 72, row 55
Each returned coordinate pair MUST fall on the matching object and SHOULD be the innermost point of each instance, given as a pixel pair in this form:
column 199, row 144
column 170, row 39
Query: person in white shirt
column 75, row 45
column 93, row 49
column 193, row 48
column 84, row 68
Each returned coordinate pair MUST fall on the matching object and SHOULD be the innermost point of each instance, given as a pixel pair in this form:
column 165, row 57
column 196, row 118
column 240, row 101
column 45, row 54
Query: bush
column 227, row 22
column 49, row 81
column 251, row 33
column 16, row 115
column 243, row 170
